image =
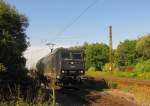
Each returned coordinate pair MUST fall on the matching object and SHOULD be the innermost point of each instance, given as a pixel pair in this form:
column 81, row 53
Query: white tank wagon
column 66, row 65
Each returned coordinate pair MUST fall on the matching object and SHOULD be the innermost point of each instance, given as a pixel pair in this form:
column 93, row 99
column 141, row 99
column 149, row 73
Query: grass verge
column 137, row 75
column 141, row 93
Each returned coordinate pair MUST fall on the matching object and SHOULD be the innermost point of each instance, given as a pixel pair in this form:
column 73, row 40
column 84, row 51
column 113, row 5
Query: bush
column 145, row 75
column 112, row 84
column 2, row 68
column 92, row 72
column 143, row 66
column 92, row 69
column 106, row 67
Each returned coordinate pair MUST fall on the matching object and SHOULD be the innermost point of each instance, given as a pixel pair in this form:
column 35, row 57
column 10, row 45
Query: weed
column 134, row 74
column 112, row 84
column 141, row 93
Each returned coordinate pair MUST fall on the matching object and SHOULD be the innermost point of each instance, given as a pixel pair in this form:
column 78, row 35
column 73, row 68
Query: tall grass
column 39, row 100
column 27, row 95
column 141, row 93
column 93, row 73
column 133, row 74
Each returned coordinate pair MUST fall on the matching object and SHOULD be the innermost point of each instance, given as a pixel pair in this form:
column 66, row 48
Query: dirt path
column 91, row 93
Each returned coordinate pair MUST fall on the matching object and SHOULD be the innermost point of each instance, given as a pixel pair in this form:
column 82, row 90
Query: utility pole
column 51, row 46
column 110, row 49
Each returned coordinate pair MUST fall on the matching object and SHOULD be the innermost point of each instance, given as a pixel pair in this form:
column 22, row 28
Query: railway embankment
column 139, row 90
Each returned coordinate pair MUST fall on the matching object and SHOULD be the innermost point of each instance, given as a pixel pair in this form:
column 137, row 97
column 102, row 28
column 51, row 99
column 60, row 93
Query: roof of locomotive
column 56, row 51
column 66, row 50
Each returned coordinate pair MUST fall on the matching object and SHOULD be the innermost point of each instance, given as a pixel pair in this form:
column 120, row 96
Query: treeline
column 16, row 87
column 134, row 54
column 129, row 55
column 13, row 42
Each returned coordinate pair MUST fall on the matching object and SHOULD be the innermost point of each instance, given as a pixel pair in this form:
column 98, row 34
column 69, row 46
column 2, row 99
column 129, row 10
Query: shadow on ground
column 81, row 96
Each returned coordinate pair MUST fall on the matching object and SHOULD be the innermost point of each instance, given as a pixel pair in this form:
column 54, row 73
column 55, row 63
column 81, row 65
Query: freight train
column 64, row 65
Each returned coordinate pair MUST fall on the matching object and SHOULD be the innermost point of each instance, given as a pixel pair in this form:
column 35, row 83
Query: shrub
column 145, row 75
column 2, row 68
column 143, row 66
column 92, row 69
column 130, row 68
column 112, row 84
column 106, row 67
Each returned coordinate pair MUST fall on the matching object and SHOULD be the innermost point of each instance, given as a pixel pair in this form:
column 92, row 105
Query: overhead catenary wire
column 78, row 17
column 74, row 21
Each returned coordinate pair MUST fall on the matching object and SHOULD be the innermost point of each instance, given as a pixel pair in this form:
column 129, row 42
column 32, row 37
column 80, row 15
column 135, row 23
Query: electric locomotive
column 64, row 65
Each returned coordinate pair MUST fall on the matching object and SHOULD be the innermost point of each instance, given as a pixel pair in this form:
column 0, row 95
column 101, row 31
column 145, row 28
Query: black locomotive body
column 66, row 65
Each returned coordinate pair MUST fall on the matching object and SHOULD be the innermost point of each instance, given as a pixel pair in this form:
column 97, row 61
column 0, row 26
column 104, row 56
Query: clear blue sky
column 129, row 18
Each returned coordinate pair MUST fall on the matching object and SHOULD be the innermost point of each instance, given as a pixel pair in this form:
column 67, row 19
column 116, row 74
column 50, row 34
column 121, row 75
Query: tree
column 96, row 55
column 143, row 66
column 80, row 47
column 13, row 39
column 143, row 47
column 126, row 53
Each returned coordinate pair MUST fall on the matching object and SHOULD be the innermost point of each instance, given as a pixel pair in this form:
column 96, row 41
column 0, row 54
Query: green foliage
column 126, row 53
column 107, row 66
column 124, row 74
column 134, row 74
column 93, row 73
column 143, row 75
column 2, row 68
column 143, row 66
column 143, row 47
column 96, row 55
column 132, row 56
column 13, row 42
column 130, row 52
column 112, row 84
column 77, row 47
column 92, row 69
column 32, row 97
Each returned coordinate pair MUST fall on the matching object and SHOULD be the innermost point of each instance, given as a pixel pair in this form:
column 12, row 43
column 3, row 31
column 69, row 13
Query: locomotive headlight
column 62, row 71
column 81, row 71
column 57, row 77
column 72, row 62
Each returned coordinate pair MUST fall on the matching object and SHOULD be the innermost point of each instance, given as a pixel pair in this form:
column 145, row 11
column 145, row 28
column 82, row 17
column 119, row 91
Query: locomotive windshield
column 65, row 55
column 76, row 55
column 71, row 55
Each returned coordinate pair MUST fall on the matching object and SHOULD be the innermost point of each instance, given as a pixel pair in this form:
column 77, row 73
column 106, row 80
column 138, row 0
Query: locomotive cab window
column 76, row 56
column 65, row 55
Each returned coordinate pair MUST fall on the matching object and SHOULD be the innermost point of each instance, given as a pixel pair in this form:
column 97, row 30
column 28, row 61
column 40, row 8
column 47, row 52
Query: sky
column 129, row 19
